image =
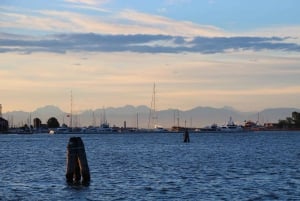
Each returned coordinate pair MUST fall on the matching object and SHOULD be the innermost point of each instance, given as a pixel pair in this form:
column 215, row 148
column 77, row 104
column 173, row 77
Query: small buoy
column 77, row 165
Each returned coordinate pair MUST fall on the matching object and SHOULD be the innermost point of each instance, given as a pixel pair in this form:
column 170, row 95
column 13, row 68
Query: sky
column 109, row 53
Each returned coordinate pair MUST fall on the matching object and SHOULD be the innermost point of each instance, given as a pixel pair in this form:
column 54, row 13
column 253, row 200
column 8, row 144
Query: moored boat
column 231, row 127
column 212, row 128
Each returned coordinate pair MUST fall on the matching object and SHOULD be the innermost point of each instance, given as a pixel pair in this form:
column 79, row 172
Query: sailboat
column 153, row 125
column 104, row 125
column 65, row 129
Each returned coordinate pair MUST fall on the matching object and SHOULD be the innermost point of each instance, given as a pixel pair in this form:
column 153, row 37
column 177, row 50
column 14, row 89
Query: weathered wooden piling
column 186, row 136
column 77, row 165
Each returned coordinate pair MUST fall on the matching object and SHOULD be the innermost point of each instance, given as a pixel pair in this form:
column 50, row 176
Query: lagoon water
column 240, row 166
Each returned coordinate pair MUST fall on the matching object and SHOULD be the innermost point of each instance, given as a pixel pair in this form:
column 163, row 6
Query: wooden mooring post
column 186, row 136
column 77, row 165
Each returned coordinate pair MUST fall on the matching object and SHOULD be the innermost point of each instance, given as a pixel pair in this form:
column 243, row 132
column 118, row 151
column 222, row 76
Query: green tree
column 296, row 119
column 37, row 123
column 283, row 124
column 289, row 121
column 52, row 123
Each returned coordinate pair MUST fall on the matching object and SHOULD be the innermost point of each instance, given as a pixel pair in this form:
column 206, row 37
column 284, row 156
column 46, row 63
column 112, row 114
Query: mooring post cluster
column 77, row 165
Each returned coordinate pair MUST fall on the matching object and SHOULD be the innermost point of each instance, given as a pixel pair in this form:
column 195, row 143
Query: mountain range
column 140, row 115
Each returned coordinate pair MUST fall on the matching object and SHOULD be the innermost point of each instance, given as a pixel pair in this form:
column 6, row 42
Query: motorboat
column 231, row 127
column 159, row 128
column 212, row 128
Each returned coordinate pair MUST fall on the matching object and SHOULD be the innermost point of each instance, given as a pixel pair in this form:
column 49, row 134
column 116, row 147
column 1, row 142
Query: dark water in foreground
column 245, row 166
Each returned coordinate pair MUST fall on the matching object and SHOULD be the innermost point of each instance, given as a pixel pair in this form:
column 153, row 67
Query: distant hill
column 48, row 109
column 19, row 118
column 196, row 117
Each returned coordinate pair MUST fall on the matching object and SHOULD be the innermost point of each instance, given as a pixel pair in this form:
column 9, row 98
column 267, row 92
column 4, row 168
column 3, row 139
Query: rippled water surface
column 245, row 166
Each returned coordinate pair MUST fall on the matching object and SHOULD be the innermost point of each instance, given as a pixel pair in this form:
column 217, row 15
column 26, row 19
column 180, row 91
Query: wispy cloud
column 125, row 22
column 141, row 43
column 161, row 25
column 33, row 21
column 88, row 2
column 290, row 31
column 172, row 2
column 87, row 7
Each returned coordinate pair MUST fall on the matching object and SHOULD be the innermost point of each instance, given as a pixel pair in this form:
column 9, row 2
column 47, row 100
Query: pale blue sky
column 243, row 54
column 226, row 14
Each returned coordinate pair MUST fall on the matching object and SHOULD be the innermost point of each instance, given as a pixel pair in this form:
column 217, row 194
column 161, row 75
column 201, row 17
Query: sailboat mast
column 94, row 119
column 137, row 120
column 104, row 116
column 178, row 118
column 71, row 110
column 152, row 114
column 154, row 109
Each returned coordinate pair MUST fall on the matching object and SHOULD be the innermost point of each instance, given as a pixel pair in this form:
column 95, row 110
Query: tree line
column 292, row 122
column 51, row 123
